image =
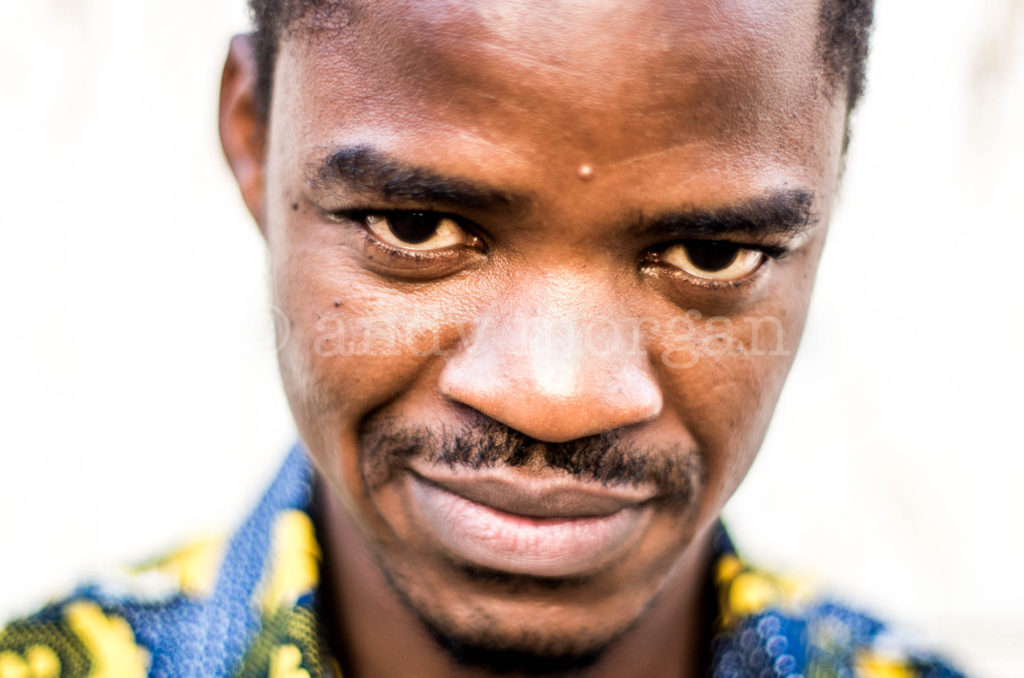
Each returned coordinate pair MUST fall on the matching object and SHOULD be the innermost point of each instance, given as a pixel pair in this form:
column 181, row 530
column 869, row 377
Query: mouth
column 520, row 522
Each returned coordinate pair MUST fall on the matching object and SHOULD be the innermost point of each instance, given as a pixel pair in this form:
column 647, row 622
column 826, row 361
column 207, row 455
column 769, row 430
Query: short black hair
column 843, row 40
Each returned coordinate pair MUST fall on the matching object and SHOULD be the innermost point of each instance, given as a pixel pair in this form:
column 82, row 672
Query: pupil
column 413, row 227
column 711, row 255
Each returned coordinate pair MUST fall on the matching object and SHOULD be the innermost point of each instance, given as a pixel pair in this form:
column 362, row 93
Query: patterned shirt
column 246, row 607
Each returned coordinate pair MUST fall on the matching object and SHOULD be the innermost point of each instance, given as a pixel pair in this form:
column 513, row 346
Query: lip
column 529, row 494
column 526, row 524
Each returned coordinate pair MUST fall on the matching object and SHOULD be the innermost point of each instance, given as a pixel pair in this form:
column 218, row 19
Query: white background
column 139, row 401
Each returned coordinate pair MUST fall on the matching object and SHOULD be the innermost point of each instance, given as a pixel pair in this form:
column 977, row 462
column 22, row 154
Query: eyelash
column 772, row 253
column 397, row 257
column 407, row 258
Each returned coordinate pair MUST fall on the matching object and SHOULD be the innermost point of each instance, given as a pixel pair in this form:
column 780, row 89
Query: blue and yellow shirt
column 246, row 608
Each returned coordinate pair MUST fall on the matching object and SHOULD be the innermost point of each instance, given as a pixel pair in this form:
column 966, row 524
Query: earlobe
column 243, row 129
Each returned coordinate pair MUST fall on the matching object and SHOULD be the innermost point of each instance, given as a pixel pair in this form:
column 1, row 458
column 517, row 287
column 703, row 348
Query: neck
column 375, row 635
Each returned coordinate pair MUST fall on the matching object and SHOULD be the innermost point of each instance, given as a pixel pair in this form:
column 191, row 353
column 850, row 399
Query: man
column 542, row 269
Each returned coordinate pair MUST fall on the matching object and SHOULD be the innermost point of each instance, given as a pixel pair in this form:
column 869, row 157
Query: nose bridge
column 556, row 357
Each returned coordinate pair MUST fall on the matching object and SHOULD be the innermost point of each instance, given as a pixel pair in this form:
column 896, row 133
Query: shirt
column 247, row 607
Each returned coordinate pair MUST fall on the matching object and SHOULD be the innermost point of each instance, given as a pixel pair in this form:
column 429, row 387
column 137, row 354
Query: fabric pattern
column 246, row 607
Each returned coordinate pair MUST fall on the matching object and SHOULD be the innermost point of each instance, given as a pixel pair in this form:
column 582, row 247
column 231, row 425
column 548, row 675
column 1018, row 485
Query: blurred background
column 139, row 397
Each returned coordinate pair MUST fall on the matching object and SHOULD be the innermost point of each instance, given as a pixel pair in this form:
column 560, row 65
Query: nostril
column 552, row 402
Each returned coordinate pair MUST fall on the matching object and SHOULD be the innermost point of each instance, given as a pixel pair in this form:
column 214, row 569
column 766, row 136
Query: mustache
column 678, row 471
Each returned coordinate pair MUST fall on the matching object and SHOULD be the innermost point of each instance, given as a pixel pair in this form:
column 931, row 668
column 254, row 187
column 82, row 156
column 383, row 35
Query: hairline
column 843, row 73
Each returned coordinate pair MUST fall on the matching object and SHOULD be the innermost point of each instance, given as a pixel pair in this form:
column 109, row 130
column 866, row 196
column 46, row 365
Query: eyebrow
column 781, row 212
column 368, row 170
column 365, row 169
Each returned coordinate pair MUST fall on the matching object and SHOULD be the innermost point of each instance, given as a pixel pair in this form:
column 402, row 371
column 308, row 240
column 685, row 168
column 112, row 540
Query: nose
column 556, row 360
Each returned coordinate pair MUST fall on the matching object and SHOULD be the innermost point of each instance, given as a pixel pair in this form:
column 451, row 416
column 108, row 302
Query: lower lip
column 542, row 547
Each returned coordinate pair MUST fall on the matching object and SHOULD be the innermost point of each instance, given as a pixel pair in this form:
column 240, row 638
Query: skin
column 583, row 124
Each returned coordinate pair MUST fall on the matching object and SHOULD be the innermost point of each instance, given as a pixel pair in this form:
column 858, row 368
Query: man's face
column 543, row 267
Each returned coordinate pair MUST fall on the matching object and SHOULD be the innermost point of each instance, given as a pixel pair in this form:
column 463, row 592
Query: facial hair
column 676, row 470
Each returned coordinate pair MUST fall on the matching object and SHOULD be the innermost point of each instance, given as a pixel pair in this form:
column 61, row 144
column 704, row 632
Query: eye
column 717, row 260
column 420, row 231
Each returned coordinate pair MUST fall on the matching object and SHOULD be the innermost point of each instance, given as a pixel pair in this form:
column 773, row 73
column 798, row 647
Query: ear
column 243, row 131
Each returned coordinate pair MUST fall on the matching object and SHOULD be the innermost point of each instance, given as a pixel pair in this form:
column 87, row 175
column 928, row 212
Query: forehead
column 630, row 83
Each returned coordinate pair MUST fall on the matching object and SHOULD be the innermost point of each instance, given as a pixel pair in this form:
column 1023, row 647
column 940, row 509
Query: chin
column 526, row 655
column 520, row 625
column 506, row 639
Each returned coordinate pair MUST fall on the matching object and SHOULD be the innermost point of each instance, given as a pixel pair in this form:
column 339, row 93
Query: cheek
column 722, row 377
column 354, row 343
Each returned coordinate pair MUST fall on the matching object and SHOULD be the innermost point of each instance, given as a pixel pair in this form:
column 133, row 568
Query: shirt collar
column 269, row 580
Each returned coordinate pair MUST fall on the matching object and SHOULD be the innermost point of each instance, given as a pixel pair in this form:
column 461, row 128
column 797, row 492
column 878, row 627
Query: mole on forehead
column 669, row 105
